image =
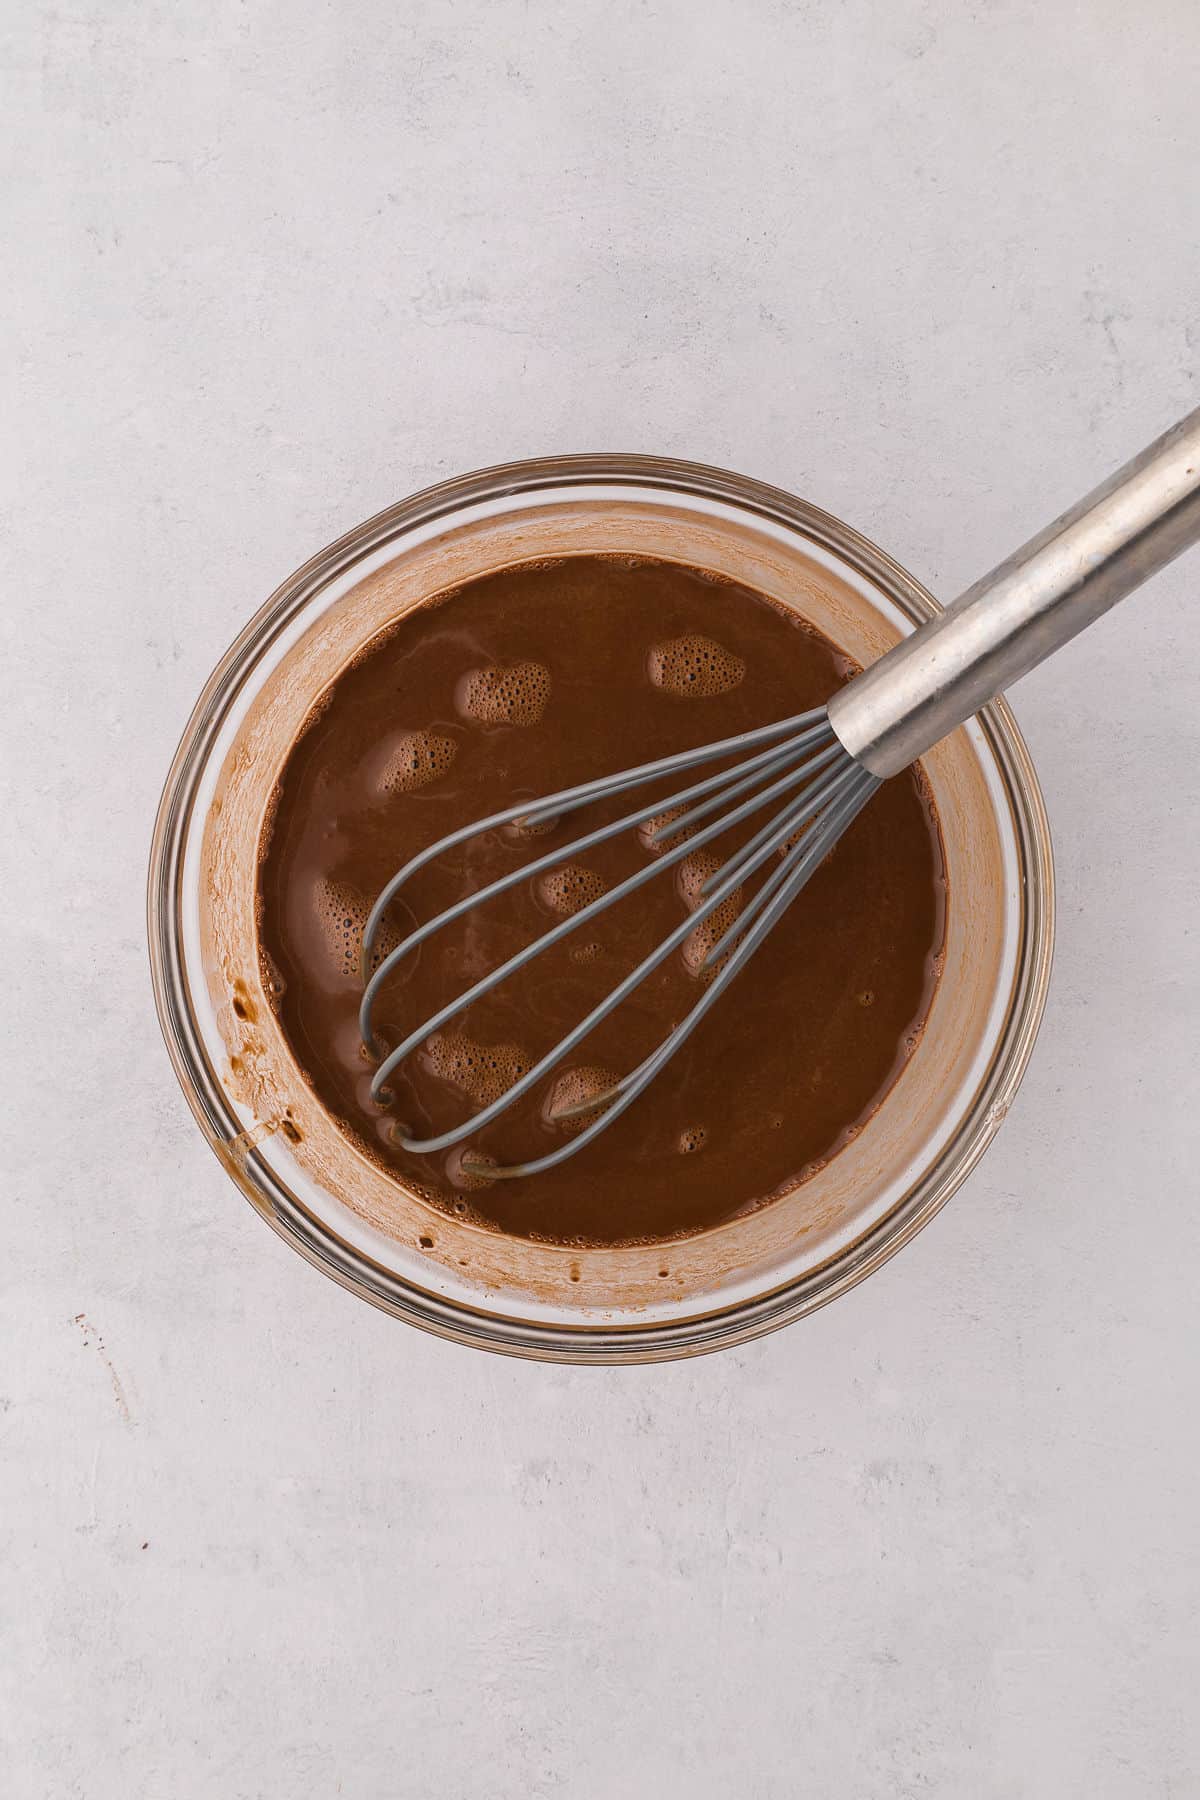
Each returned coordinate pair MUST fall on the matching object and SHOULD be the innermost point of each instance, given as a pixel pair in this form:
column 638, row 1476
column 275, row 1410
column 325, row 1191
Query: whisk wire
column 794, row 872
column 796, row 814
column 823, row 836
column 807, row 854
column 692, row 816
column 557, row 933
column 552, row 806
column 727, row 783
column 561, row 1050
column 802, row 752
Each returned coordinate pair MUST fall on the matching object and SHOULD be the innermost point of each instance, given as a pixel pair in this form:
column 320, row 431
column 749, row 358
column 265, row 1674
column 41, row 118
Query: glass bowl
column 359, row 1225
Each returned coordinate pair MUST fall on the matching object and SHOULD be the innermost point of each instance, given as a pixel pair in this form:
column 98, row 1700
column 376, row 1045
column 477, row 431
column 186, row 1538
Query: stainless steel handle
column 1011, row 620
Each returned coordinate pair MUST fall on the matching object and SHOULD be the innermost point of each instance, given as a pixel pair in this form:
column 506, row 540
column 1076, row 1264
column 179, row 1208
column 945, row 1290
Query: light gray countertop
column 933, row 266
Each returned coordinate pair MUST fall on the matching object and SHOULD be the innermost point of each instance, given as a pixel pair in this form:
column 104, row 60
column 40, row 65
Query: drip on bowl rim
column 258, row 1152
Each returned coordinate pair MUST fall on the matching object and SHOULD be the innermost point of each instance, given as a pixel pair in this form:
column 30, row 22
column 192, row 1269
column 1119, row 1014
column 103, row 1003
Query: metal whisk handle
column 1004, row 625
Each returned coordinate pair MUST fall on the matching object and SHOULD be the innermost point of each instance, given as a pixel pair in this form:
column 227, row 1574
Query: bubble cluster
column 586, row 953
column 696, row 666
column 708, row 934
column 569, row 889
column 691, row 875
column 273, row 982
column 648, row 827
column 515, row 695
column 342, row 913
column 574, row 1087
column 521, row 829
column 691, row 1140
column 419, row 758
column 693, row 872
column 388, row 1127
column 481, row 1071
column 467, row 1180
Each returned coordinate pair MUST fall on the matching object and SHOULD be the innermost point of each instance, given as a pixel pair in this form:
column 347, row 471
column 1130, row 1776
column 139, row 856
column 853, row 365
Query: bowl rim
column 356, row 1271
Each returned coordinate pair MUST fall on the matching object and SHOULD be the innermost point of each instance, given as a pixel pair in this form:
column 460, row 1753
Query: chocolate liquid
column 519, row 683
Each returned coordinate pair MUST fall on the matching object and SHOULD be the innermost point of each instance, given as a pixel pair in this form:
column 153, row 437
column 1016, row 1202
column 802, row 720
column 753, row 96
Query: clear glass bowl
column 340, row 1211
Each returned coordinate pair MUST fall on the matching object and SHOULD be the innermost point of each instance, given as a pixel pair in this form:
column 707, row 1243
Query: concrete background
column 934, row 266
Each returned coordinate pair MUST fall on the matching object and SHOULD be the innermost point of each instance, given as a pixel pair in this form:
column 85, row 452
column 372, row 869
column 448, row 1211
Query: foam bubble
column 696, row 666
column 691, row 1140
column 693, row 872
column 648, row 827
column 272, row 979
column 342, row 912
column 586, row 953
column 466, row 1180
column 569, row 889
column 515, row 695
column 708, row 934
column 389, row 1127
column 572, row 1089
column 481, row 1071
column 521, row 829
column 419, row 758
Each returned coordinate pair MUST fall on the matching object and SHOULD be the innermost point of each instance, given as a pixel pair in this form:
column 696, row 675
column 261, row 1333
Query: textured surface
column 934, row 267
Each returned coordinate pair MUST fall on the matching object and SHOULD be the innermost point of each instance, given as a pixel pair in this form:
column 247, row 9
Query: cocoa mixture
column 517, row 684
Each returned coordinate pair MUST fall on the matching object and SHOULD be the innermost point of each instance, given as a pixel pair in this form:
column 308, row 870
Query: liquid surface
column 515, row 685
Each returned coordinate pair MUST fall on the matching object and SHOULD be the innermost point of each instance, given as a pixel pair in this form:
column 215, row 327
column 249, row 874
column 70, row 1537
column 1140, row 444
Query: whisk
column 816, row 771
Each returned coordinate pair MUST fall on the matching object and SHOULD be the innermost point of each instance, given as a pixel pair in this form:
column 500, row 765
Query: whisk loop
column 798, row 762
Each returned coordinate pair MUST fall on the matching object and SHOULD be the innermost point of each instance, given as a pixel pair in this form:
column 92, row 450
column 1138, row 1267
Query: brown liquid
column 518, row 684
